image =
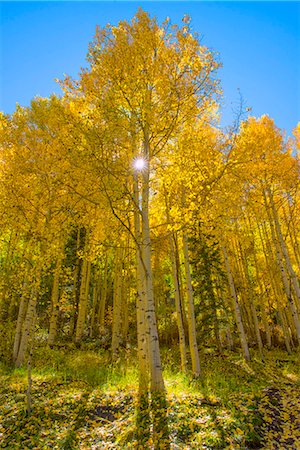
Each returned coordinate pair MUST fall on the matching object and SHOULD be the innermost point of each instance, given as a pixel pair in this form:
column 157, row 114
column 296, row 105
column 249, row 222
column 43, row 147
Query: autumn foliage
column 198, row 249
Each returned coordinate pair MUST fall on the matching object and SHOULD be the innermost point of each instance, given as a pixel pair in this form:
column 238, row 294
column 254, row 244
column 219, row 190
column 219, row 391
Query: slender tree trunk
column 29, row 384
column 277, row 295
column 284, row 274
column 20, row 320
column 237, row 311
column 251, row 300
column 83, row 301
column 229, row 338
column 284, row 329
column 178, row 305
column 191, row 312
column 244, row 294
column 156, row 378
column 143, row 411
column 178, row 299
column 29, row 317
column 158, row 394
column 292, row 235
column 284, row 250
column 103, row 295
column 141, row 302
column 215, row 317
column 22, row 306
column 54, row 303
column 7, row 301
column 125, row 299
column 180, row 284
column 95, row 299
column 76, row 286
column 117, row 304
column 265, row 318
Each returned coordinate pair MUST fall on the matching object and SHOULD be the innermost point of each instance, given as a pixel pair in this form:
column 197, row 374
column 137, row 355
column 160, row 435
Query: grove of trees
column 130, row 219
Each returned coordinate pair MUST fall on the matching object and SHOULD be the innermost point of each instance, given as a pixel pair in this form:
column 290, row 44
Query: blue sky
column 258, row 44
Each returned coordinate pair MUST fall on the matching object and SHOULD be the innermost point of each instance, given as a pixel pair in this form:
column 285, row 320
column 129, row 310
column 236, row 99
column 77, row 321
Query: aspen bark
column 213, row 296
column 124, row 312
column 54, row 303
column 292, row 234
column 29, row 384
column 262, row 237
column 20, row 320
column 229, row 338
column 7, row 302
column 117, row 300
column 276, row 292
column 158, row 395
column 191, row 312
column 284, row 250
column 284, row 275
column 251, row 300
column 178, row 305
column 76, row 288
column 141, row 296
column 83, row 301
column 288, row 321
column 245, row 304
column 143, row 407
column 22, row 309
column 262, row 306
column 178, row 299
column 29, row 317
column 95, row 298
column 103, row 295
column 284, row 329
column 181, row 285
column 156, row 378
column 236, row 305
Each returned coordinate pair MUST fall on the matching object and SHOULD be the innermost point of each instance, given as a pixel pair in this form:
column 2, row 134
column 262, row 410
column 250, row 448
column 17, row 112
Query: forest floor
column 81, row 401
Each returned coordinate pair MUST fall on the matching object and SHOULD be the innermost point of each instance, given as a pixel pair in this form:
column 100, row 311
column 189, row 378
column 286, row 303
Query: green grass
column 81, row 400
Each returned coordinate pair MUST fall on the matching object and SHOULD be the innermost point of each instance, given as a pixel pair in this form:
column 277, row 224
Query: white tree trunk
column 285, row 253
column 54, row 304
column 141, row 302
column 178, row 305
column 284, row 274
column 117, row 304
column 237, row 312
column 29, row 318
column 156, row 378
column 191, row 312
column 83, row 301
column 20, row 320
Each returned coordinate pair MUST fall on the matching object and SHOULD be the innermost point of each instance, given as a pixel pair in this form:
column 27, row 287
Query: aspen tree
column 159, row 77
column 143, row 413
